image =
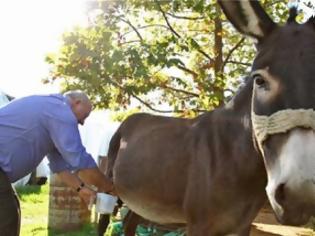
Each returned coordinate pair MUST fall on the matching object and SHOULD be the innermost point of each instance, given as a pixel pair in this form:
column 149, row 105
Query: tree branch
column 153, row 25
column 185, row 17
column 231, row 51
column 205, row 54
column 150, row 107
column 146, row 104
column 162, row 111
column 239, row 63
column 132, row 41
column 191, row 94
column 183, row 68
column 166, row 19
column 174, row 32
column 133, row 27
column 147, row 26
column 139, row 99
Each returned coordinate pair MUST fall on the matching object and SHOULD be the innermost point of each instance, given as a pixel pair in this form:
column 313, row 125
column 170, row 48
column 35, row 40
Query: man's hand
column 87, row 195
column 76, row 184
column 94, row 176
column 89, row 177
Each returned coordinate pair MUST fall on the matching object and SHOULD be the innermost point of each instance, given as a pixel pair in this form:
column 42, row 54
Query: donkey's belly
column 155, row 211
column 151, row 196
column 150, row 176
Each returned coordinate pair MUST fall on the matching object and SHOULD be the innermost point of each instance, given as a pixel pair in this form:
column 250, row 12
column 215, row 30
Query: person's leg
column 9, row 208
column 17, row 201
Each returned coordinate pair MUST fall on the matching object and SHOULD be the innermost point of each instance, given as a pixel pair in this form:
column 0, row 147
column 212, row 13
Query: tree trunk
column 218, row 60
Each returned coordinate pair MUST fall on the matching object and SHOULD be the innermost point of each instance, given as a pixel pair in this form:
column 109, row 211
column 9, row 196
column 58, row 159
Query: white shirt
column 110, row 131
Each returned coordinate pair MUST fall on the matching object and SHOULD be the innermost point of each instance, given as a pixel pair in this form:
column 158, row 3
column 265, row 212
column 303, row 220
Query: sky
column 29, row 30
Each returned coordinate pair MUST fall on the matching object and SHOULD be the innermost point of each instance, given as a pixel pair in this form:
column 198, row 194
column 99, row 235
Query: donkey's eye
column 259, row 80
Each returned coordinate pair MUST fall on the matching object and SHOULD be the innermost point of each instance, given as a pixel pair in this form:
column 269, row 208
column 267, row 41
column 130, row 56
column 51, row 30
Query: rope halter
column 281, row 122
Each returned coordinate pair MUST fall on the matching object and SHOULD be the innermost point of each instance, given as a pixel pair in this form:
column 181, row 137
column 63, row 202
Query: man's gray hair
column 77, row 95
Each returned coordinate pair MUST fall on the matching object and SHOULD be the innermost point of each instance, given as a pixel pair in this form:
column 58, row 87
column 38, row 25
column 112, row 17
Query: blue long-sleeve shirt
column 39, row 125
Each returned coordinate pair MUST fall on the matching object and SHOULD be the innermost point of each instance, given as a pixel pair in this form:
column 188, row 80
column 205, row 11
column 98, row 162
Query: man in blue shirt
column 39, row 125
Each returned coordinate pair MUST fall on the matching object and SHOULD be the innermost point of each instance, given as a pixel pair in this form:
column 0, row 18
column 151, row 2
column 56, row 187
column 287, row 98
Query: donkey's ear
column 248, row 17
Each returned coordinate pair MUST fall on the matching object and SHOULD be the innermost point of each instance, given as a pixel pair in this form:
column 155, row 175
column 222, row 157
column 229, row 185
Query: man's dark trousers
column 9, row 208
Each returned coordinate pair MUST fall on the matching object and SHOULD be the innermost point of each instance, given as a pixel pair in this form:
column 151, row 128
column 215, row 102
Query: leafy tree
column 166, row 56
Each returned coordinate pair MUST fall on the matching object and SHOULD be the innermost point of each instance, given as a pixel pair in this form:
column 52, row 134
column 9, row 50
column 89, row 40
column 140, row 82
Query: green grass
column 34, row 207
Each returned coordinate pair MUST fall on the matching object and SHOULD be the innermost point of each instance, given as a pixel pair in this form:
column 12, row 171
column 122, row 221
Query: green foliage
column 166, row 56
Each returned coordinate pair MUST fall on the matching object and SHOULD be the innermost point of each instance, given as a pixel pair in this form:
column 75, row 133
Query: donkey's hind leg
column 130, row 223
column 199, row 228
column 103, row 224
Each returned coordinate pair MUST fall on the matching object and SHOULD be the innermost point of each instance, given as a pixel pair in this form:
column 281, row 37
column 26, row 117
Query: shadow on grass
column 28, row 189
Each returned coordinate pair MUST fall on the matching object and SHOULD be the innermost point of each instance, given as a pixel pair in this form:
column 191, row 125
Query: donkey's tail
column 112, row 153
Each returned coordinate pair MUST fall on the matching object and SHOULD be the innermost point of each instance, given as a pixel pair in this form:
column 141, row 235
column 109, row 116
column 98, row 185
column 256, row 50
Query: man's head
column 80, row 104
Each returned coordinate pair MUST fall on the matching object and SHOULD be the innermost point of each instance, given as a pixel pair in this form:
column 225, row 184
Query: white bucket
column 105, row 203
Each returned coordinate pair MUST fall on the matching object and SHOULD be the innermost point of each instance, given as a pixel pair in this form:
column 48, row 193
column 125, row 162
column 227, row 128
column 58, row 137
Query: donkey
column 203, row 172
column 210, row 172
column 282, row 111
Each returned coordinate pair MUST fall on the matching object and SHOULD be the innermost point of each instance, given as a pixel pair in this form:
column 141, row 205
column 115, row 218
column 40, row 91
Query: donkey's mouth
column 295, row 217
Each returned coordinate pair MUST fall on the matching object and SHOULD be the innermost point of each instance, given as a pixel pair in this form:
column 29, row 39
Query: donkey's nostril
column 280, row 194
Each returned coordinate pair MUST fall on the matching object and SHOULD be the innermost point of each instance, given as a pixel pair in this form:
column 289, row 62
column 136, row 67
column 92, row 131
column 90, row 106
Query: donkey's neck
column 241, row 102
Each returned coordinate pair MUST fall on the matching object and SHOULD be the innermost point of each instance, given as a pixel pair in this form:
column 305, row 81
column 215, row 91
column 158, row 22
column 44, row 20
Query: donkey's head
column 283, row 102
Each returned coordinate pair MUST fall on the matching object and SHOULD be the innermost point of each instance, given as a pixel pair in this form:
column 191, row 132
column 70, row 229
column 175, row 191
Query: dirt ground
column 266, row 225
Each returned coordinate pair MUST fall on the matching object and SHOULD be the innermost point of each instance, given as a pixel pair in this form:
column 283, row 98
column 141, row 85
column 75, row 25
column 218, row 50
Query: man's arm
column 89, row 175
column 93, row 176
column 88, row 195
